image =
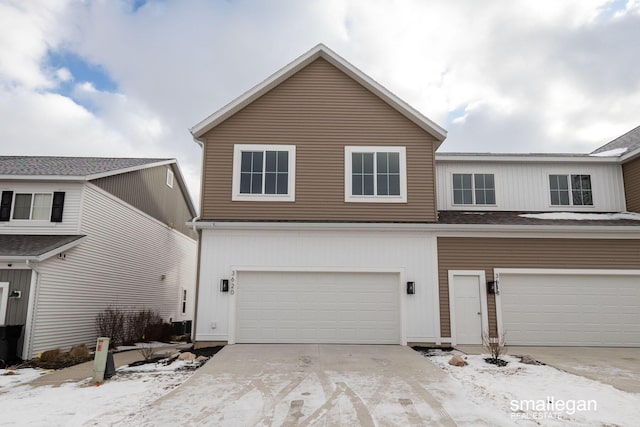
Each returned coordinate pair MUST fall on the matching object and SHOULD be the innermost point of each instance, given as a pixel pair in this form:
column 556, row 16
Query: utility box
column 100, row 359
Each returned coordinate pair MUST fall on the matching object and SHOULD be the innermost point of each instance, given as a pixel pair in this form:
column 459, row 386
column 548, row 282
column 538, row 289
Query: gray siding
column 19, row 280
column 147, row 190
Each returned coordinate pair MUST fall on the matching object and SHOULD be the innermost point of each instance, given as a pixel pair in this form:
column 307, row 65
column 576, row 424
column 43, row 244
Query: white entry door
column 466, row 305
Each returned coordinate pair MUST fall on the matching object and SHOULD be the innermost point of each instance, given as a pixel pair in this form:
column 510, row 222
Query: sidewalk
column 85, row 370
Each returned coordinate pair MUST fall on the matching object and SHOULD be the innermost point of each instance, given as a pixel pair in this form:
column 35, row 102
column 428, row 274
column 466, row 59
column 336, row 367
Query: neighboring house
column 80, row 234
column 328, row 217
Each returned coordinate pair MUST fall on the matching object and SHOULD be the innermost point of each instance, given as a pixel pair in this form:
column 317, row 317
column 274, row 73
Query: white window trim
column 570, row 185
column 183, row 301
column 348, row 152
column 170, row 178
column 33, row 196
column 473, row 189
column 237, row 159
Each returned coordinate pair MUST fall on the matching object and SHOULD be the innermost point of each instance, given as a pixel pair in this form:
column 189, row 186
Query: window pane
column 245, row 164
column 457, row 181
column 257, row 161
column 457, row 197
column 480, row 199
column 555, row 198
column 467, row 196
column 368, row 184
column 271, row 161
column 559, row 188
column 564, row 198
column 479, row 180
column 282, row 183
column 269, row 182
column 394, row 163
column 587, row 197
column 283, row 161
column 367, row 162
column 356, row 185
column 256, row 183
column 41, row 207
column 394, row 185
column 383, row 189
column 490, row 197
column 382, row 163
column 356, row 163
column 22, row 208
column 245, row 183
column 466, row 181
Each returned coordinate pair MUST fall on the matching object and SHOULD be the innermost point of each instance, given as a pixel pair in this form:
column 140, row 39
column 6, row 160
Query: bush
column 111, row 323
column 138, row 323
column 496, row 348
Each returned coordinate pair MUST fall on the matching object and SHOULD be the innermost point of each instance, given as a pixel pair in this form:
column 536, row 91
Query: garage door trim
column 313, row 269
column 549, row 271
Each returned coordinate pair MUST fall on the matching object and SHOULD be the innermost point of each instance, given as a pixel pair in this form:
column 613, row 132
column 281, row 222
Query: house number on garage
column 233, row 283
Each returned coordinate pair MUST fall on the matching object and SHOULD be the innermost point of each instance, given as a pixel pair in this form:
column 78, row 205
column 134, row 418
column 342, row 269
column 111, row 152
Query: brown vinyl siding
column 631, row 175
column 147, row 190
column 466, row 253
column 320, row 110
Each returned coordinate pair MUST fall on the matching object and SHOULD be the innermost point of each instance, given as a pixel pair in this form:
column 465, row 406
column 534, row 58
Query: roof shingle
column 67, row 166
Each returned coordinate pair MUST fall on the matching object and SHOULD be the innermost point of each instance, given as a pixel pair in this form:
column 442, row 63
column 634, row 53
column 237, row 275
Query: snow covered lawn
column 83, row 403
column 521, row 394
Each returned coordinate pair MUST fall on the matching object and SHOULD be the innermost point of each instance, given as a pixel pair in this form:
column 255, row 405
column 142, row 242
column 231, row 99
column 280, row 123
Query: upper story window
column 470, row 189
column 568, row 190
column 264, row 172
column 169, row 178
column 375, row 174
column 32, row 206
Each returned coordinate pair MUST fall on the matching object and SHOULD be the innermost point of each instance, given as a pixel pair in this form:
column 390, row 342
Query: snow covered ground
column 518, row 394
column 521, row 394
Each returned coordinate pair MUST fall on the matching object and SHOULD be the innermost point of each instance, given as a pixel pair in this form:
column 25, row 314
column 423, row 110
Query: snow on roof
column 615, row 152
column 583, row 216
column 630, row 141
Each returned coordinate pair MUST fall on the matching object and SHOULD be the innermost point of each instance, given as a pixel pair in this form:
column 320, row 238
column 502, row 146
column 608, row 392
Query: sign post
column 100, row 359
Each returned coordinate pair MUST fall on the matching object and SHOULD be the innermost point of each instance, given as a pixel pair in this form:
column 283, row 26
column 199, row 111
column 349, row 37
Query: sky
column 128, row 78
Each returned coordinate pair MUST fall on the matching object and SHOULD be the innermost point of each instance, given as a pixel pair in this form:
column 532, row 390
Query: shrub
column 496, row 348
column 138, row 323
column 111, row 323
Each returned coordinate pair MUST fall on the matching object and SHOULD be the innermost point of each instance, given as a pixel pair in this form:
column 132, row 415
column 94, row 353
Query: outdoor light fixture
column 411, row 288
column 224, row 285
column 491, row 287
column 15, row 294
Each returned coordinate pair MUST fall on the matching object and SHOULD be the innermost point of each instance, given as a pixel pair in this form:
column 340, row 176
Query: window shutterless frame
column 473, row 189
column 570, row 190
column 376, row 174
column 257, row 175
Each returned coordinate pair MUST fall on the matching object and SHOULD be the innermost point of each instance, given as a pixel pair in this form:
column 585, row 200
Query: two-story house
column 80, row 234
column 328, row 216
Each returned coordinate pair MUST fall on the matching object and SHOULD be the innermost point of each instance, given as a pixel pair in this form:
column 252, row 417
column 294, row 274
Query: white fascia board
column 319, row 51
column 46, row 255
column 524, row 158
column 452, row 230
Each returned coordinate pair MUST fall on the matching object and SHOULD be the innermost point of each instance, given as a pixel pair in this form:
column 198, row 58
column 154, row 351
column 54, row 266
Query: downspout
column 31, row 313
column 195, row 229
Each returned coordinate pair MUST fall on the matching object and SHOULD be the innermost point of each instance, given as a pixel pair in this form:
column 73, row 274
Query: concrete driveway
column 303, row 385
column 619, row 367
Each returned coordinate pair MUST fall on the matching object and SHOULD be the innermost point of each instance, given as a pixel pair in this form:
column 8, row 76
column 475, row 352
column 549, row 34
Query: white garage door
column 292, row 307
column 570, row 310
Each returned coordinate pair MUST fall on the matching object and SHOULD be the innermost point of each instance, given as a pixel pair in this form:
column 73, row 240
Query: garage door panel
column 292, row 307
column 575, row 309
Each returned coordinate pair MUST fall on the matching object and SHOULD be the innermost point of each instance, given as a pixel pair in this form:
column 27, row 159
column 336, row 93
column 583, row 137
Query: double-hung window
column 375, row 174
column 474, row 189
column 264, row 172
column 32, row 206
column 570, row 190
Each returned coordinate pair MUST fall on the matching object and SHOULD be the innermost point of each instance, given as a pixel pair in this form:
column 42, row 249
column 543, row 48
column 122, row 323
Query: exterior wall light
column 411, row 288
column 224, row 285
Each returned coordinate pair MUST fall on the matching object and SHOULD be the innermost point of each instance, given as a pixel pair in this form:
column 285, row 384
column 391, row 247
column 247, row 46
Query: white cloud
column 521, row 75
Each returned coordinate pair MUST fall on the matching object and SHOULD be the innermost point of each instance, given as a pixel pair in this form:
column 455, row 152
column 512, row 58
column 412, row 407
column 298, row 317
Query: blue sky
column 130, row 77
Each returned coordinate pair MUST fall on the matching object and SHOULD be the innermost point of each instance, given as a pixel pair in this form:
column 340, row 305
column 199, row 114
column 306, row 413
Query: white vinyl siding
column 573, row 309
column 70, row 217
column 121, row 262
column 226, row 251
column 525, row 186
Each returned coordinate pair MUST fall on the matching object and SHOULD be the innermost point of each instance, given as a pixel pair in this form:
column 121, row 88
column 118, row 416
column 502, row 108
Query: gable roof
column 319, row 51
column 83, row 168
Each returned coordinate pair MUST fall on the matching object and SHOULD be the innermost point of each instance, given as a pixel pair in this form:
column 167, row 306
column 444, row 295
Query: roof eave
column 43, row 256
column 319, row 51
